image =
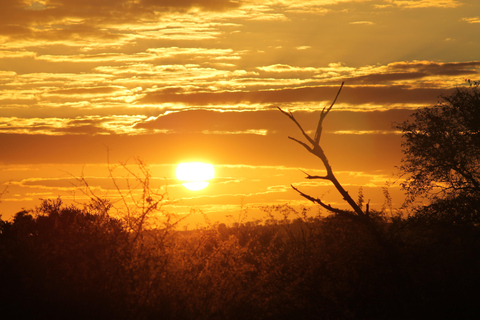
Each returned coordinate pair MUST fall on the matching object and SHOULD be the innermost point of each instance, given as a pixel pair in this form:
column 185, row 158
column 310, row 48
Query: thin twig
column 327, row 177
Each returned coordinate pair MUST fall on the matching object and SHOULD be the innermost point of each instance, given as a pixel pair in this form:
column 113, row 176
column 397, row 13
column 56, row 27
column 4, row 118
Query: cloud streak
column 415, row 4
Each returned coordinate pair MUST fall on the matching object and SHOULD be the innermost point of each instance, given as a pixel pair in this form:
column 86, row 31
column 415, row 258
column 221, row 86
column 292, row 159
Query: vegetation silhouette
column 441, row 165
column 124, row 257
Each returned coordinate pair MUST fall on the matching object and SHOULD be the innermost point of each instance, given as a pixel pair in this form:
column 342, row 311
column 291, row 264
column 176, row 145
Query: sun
column 195, row 175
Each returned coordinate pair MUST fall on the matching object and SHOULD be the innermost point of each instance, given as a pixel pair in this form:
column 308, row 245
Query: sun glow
column 195, row 175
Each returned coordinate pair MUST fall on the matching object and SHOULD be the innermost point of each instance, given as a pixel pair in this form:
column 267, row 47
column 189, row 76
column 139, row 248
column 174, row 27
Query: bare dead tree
column 313, row 146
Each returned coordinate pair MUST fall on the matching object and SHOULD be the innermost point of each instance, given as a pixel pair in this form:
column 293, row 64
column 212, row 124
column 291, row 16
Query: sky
column 88, row 87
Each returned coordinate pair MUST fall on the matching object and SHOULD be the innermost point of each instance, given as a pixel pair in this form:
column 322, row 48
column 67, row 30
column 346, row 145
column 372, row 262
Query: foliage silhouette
column 60, row 260
column 442, row 157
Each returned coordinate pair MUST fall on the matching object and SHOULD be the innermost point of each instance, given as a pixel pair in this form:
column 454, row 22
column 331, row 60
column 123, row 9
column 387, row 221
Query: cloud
column 351, row 95
column 285, row 68
column 415, row 4
column 377, row 78
column 64, row 184
column 395, row 72
column 215, row 5
column 261, row 132
column 437, row 68
column 5, row 77
column 366, row 132
column 91, row 23
column 472, row 20
column 303, row 47
column 5, row 54
column 362, row 22
column 121, row 87
column 273, row 122
column 85, row 125
column 86, row 91
column 310, row 5
column 215, row 53
column 413, row 73
column 102, row 57
column 197, row 121
column 95, row 182
column 274, row 148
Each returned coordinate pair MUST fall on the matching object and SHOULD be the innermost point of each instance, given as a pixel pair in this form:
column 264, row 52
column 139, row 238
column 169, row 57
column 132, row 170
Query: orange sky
column 171, row 81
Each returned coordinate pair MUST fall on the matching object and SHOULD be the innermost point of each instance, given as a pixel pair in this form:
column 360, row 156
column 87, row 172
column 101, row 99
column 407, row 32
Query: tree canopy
column 442, row 150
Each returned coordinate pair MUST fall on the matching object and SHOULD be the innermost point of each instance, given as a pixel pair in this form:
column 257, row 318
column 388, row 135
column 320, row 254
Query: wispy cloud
column 362, row 22
column 414, row 4
column 87, row 125
column 362, row 132
column 472, row 20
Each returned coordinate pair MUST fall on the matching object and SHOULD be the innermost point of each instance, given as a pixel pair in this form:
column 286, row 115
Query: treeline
column 65, row 262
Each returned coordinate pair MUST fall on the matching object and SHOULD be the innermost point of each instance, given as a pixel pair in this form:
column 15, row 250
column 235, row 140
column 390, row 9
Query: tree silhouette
column 442, row 152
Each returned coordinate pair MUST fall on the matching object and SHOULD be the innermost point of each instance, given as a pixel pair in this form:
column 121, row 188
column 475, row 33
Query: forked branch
column 290, row 115
column 317, row 150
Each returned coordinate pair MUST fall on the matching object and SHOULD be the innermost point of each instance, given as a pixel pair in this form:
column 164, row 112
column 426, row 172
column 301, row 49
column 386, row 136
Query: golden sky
column 172, row 81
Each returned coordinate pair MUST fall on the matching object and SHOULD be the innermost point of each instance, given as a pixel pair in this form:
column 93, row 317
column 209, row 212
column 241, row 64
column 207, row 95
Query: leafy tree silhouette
column 442, row 157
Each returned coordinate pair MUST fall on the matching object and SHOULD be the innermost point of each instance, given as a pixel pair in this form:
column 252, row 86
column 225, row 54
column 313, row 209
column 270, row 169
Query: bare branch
column 324, row 113
column 334, row 100
column 320, row 202
column 302, row 143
